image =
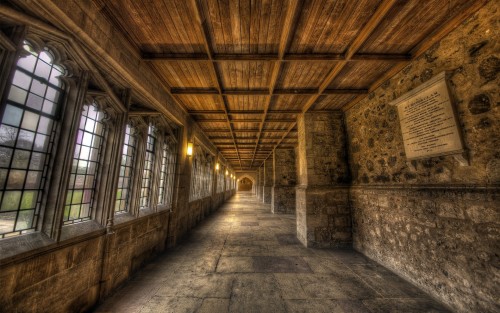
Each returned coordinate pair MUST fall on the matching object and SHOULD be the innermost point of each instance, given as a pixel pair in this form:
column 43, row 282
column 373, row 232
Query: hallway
column 245, row 259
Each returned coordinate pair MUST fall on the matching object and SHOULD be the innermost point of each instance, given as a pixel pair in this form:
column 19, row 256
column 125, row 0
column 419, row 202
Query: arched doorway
column 245, row 184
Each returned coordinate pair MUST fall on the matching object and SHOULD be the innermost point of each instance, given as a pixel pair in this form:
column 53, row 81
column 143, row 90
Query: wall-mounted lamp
column 227, row 173
column 217, row 166
column 189, row 149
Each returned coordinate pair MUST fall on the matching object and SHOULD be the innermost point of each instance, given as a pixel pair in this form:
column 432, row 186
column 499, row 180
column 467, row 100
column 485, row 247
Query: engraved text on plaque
column 428, row 121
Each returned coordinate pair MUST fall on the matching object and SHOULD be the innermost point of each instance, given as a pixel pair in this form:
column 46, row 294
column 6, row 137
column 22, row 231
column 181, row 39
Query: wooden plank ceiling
column 244, row 69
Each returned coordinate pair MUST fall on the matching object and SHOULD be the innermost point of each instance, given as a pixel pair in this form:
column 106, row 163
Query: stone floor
column 245, row 259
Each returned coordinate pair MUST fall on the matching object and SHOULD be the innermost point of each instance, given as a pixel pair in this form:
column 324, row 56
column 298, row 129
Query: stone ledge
column 21, row 248
column 492, row 187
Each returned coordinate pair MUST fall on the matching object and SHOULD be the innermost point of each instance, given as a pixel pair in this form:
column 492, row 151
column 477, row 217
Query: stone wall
column 268, row 181
column 285, row 179
column 323, row 217
column 433, row 221
column 260, row 186
column 71, row 276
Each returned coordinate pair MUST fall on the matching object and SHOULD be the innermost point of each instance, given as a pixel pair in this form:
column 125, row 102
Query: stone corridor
column 245, row 259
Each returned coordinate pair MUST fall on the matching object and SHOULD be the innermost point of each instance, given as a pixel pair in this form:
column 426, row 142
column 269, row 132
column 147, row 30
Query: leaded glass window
column 220, row 179
column 27, row 134
column 126, row 170
column 208, row 177
column 201, row 175
column 167, row 175
column 81, row 188
column 196, row 175
column 147, row 175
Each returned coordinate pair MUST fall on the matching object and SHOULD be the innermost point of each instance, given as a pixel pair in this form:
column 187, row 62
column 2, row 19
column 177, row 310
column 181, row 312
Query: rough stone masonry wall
column 285, row 179
column 268, row 181
column 435, row 222
column 260, row 183
column 322, row 201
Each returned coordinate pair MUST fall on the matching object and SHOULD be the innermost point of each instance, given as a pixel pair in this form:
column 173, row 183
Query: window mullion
column 107, row 179
column 61, row 164
column 138, row 172
column 155, row 182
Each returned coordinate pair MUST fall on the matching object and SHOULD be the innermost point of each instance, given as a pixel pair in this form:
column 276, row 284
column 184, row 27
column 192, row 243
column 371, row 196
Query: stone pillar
column 323, row 214
column 268, row 181
column 260, row 186
column 285, row 179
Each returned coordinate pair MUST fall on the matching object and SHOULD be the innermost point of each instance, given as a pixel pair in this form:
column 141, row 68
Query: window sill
column 17, row 249
column 122, row 218
column 20, row 246
column 146, row 211
column 84, row 229
column 163, row 208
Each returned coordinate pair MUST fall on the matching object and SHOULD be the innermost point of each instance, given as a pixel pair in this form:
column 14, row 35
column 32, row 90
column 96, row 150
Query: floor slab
column 246, row 259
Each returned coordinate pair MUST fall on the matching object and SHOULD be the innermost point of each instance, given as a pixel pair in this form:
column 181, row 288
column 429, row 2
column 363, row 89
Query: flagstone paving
column 245, row 259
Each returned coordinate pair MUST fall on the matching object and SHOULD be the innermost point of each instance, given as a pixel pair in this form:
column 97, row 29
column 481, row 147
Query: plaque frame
column 461, row 154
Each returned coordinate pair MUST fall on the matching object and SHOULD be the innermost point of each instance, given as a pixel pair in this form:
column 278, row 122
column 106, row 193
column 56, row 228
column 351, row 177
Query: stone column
column 323, row 215
column 285, row 179
column 260, row 186
column 268, row 180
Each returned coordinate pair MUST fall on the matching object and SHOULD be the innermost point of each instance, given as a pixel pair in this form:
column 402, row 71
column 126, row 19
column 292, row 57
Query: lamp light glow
column 217, row 166
column 227, row 173
column 190, row 149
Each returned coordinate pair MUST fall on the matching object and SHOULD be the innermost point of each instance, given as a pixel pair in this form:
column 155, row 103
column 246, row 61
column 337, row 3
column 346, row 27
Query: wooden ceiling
column 244, row 69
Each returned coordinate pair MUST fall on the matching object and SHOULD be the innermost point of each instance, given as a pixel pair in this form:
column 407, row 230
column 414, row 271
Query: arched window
column 167, row 173
column 208, row 176
column 201, row 174
column 196, row 174
column 126, row 171
column 27, row 135
column 220, row 179
column 81, row 188
column 149, row 161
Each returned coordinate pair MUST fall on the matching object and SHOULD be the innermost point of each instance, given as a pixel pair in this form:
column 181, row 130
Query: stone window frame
column 50, row 227
column 171, row 148
column 40, row 113
column 164, row 131
column 130, row 155
column 79, row 197
column 221, row 182
column 148, row 171
column 202, row 168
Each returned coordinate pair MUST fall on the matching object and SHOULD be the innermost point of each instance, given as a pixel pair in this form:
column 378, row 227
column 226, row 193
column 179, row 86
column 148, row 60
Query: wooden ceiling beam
column 290, row 23
column 254, row 130
column 240, row 120
column 379, row 57
column 263, row 92
column 365, row 32
column 196, row 5
column 292, row 57
column 246, row 138
column 249, row 112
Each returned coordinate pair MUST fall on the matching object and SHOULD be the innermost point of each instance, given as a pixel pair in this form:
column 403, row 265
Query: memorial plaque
column 428, row 122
